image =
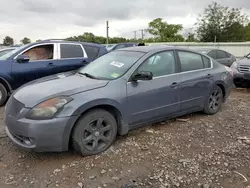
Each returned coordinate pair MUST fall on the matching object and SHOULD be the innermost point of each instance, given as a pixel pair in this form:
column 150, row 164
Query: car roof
column 153, row 48
column 65, row 41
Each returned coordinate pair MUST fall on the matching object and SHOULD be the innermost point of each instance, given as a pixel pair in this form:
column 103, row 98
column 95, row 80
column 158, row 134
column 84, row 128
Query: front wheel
column 94, row 132
column 214, row 101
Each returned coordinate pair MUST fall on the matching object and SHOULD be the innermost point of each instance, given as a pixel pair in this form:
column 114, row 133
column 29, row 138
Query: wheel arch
column 5, row 84
column 223, row 88
column 122, row 126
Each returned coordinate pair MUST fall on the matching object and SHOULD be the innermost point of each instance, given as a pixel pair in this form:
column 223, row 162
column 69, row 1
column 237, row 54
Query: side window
column 212, row 54
column 42, row 52
column 160, row 64
column 91, row 51
column 221, row 54
column 120, row 46
column 228, row 54
column 71, row 51
column 190, row 61
column 206, row 62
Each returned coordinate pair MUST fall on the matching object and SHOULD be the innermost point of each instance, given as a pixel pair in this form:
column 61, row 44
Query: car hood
column 57, row 85
column 244, row 61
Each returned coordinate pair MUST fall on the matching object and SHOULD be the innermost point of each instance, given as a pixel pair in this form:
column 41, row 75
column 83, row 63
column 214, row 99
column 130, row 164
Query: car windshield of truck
column 112, row 65
column 9, row 54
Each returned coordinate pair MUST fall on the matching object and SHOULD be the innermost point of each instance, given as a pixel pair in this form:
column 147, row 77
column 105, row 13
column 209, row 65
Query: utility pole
column 135, row 34
column 107, row 23
column 142, row 34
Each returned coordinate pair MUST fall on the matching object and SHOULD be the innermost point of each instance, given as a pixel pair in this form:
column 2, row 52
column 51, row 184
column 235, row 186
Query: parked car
column 36, row 60
column 6, row 50
column 223, row 57
column 241, row 69
column 124, row 45
column 117, row 92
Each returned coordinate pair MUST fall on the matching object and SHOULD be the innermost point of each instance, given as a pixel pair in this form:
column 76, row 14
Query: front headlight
column 47, row 109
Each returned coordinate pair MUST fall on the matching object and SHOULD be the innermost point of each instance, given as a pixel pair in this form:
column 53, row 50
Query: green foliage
column 25, row 40
column 90, row 37
column 191, row 37
column 7, row 41
column 164, row 32
column 227, row 25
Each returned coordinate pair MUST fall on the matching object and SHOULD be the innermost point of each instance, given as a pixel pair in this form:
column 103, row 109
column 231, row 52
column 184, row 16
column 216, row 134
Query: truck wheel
column 3, row 95
column 214, row 101
column 94, row 132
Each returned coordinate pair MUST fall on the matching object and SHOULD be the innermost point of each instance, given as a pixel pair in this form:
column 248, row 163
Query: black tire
column 3, row 94
column 94, row 132
column 214, row 101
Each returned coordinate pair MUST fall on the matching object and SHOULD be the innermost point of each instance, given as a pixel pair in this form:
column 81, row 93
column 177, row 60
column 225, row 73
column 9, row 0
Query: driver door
column 158, row 98
column 41, row 63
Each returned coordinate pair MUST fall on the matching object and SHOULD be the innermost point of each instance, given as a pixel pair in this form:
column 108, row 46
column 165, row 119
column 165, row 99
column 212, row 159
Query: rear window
column 91, row 51
column 71, row 51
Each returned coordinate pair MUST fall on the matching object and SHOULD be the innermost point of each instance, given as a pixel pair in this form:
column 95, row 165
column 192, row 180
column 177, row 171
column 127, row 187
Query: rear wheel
column 214, row 101
column 3, row 94
column 94, row 132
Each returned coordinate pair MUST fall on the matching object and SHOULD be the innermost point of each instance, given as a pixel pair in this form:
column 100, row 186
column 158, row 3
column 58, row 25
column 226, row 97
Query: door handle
column 209, row 76
column 51, row 65
column 174, row 85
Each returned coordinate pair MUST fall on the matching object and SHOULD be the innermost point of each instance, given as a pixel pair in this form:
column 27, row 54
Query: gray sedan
column 120, row 91
column 223, row 57
column 241, row 69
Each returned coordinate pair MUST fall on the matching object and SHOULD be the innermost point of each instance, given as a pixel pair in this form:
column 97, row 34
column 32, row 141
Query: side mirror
column 143, row 76
column 23, row 58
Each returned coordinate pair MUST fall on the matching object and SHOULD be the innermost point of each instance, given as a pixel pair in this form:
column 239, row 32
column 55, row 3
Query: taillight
column 229, row 70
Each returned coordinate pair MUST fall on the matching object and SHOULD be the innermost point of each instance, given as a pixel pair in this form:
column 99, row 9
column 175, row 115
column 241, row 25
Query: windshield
column 112, row 65
column 248, row 56
column 7, row 55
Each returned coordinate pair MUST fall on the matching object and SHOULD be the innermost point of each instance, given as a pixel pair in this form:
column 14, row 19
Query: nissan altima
column 120, row 91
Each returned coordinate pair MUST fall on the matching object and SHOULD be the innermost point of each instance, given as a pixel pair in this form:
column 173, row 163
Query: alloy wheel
column 97, row 135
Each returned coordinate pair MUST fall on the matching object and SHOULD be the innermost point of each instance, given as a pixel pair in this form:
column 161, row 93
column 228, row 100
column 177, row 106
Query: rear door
column 71, row 56
column 41, row 63
column 196, row 79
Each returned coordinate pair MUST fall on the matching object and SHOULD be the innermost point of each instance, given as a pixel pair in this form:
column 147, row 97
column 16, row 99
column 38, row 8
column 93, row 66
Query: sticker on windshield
column 115, row 75
column 117, row 64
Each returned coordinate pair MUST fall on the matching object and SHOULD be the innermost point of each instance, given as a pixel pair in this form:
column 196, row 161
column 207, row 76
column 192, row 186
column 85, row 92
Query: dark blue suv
column 36, row 60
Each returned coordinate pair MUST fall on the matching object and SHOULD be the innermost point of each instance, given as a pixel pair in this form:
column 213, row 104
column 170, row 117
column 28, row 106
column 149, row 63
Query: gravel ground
column 194, row 151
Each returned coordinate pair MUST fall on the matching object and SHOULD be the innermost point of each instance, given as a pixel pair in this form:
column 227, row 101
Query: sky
column 43, row 19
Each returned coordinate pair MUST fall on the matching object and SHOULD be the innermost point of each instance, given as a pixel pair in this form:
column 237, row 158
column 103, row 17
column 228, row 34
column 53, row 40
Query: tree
column 38, row 40
column 164, row 32
column 90, row 37
column 221, row 23
column 25, row 40
column 7, row 41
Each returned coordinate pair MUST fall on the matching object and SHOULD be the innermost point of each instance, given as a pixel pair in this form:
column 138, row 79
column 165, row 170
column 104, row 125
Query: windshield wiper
column 88, row 75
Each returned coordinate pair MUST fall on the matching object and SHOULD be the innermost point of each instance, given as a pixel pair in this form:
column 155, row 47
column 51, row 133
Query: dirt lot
column 205, row 151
